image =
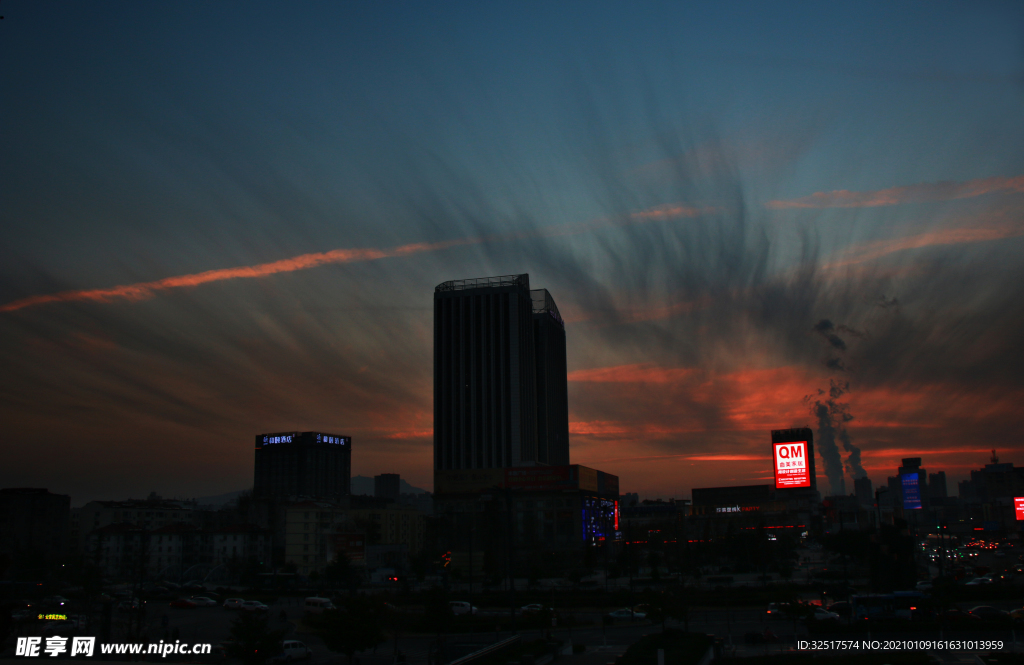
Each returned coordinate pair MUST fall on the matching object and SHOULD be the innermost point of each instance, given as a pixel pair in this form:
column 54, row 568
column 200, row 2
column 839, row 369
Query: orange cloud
column 639, row 314
column 146, row 290
column 919, row 193
column 880, row 248
column 639, row 373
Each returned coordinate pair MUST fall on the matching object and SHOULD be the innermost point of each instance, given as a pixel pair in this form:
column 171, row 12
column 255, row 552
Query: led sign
column 911, row 491
column 281, row 438
column 791, row 468
column 325, row 438
column 1018, row 504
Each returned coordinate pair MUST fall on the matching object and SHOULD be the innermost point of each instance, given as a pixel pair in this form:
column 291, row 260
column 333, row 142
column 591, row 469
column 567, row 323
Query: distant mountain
column 219, row 500
column 364, row 485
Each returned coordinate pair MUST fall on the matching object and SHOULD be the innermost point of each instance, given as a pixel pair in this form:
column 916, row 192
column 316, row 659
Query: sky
column 222, row 219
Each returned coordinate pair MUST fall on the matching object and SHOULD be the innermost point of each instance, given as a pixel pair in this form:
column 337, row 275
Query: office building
column 500, row 392
column 865, row 492
column 34, row 523
column 552, row 387
column 313, row 465
column 387, row 486
column 937, row 485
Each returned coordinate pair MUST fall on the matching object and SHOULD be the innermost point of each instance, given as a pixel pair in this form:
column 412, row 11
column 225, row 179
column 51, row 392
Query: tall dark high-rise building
column 500, row 393
column 303, row 464
column 387, row 486
column 552, row 385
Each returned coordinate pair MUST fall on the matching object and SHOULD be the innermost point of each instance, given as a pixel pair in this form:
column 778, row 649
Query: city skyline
column 229, row 220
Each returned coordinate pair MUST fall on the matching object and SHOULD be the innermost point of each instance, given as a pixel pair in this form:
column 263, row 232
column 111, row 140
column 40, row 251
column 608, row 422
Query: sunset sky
column 221, row 219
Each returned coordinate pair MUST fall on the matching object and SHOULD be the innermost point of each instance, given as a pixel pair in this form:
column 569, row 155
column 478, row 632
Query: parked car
column 184, row 604
column 533, row 609
column 315, row 605
column 979, row 581
column 203, row 601
column 1017, row 615
column 821, row 614
column 253, row 606
column 842, row 608
column 988, row 613
column 291, row 650
column 626, row 614
column 460, row 607
column 233, row 603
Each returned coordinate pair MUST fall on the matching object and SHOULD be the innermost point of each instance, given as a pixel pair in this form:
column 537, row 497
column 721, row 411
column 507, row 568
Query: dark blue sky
column 697, row 186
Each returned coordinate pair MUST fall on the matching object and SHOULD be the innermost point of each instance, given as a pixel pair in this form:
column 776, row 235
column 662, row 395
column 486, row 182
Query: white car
column 821, row 614
column 233, row 603
column 292, row 650
column 253, row 606
column 203, row 601
column 460, row 607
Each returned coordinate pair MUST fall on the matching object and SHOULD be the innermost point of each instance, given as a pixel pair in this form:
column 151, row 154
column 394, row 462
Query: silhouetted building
column 500, row 392
column 997, row 480
column 147, row 514
column 34, row 523
column 937, row 485
column 552, row 384
column 387, row 486
column 864, row 491
column 913, row 483
column 315, row 465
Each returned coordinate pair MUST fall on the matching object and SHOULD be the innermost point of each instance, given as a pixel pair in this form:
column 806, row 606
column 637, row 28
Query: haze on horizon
column 225, row 219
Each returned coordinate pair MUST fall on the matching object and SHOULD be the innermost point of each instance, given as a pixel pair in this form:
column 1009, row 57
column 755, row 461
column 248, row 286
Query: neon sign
column 325, row 438
column 1018, row 504
column 283, row 438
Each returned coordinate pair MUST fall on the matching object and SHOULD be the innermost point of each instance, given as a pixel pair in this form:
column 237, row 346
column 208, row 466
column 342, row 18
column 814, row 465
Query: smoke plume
column 833, row 415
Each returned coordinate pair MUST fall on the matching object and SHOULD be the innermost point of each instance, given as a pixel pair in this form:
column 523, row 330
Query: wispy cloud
column 146, row 290
column 919, row 193
column 958, row 236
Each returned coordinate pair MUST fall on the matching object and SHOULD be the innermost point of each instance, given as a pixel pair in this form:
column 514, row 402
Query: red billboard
column 1018, row 504
column 791, row 466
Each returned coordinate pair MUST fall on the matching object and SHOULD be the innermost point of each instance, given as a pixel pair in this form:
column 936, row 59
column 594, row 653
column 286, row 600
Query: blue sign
column 911, row 491
column 284, row 438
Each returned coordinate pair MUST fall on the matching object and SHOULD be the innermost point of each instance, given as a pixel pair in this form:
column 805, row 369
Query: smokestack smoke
column 833, row 415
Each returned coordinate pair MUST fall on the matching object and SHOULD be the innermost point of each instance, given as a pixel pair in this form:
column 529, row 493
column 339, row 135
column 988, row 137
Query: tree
column 355, row 627
column 340, row 573
column 670, row 604
column 254, row 642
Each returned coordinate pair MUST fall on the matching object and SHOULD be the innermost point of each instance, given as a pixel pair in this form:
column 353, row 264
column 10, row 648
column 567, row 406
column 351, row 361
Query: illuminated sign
column 1018, row 504
column 280, row 438
column 53, row 617
column 791, row 469
column 911, row 491
column 326, row 438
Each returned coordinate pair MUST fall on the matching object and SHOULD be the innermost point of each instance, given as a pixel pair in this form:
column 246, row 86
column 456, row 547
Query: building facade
column 310, row 534
column 387, row 486
column 34, row 523
column 551, row 371
column 313, row 465
column 485, row 389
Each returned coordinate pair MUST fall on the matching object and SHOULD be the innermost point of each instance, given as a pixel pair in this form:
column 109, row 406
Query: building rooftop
column 484, row 283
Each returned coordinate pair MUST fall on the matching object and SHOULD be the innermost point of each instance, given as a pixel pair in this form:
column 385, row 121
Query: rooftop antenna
column 995, row 460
